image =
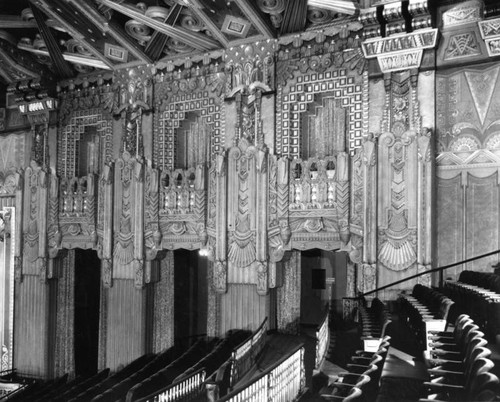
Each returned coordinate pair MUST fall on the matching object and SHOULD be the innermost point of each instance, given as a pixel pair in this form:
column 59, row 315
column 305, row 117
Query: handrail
column 245, row 354
column 269, row 378
column 322, row 338
column 439, row 269
column 181, row 389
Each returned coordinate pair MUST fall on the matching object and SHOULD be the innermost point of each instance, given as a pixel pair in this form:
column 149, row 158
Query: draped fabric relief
column 163, row 331
column 289, row 294
column 64, row 360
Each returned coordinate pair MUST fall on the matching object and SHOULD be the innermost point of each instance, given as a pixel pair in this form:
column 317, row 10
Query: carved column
column 367, row 276
column 399, row 233
column 105, row 224
column 217, row 222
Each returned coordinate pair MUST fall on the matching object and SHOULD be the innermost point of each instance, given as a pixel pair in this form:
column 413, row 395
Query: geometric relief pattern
column 72, row 133
column 175, row 112
column 462, row 45
column 482, row 86
column 295, row 102
column 468, row 109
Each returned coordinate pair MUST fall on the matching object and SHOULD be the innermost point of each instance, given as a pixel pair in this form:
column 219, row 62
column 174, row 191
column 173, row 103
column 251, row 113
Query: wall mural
column 468, row 126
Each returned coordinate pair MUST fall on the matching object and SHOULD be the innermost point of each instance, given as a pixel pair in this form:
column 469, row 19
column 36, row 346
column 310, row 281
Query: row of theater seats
column 426, row 309
column 459, row 368
column 478, row 294
column 144, row 377
column 374, row 322
column 362, row 381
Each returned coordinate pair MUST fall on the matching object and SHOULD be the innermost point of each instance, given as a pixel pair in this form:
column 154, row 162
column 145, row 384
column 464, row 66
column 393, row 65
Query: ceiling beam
column 294, row 16
column 79, row 36
column 197, row 10
column 70, row 57
column 62, row 68
column 13, row 21
column 113, row 29
column 186, row 36
column 157, row 43
column 262, row 24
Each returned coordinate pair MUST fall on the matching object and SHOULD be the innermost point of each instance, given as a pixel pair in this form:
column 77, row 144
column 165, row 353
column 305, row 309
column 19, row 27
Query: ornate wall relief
column 34, row 248
column 318, row 73
column 182, row 207
column 128, row 254
column 189, row 100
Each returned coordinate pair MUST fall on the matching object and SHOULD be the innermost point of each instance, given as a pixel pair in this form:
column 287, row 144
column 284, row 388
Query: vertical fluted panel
column 242, row 307
column 125, row 331
column 31, row 327
column 163, row 323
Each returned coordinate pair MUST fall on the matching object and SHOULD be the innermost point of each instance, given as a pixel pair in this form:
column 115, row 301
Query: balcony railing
column 322, row 339
column 246, row 354
column 183, row 390
column 284, row 381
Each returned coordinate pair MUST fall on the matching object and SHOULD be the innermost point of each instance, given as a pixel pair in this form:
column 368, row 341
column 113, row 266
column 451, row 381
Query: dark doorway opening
column 87, row 297
column 190, row 295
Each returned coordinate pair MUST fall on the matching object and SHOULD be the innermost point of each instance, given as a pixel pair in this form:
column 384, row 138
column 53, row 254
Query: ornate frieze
column 85, row 94
column 400, row 52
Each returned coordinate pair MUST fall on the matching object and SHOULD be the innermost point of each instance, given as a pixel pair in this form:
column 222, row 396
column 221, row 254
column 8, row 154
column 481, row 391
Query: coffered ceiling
column 63, row 38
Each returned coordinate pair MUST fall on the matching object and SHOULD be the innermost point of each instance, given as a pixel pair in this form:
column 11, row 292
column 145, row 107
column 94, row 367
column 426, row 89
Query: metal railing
column 282, row 382
column 245, row 354
column 322, row 339
column 183, row 390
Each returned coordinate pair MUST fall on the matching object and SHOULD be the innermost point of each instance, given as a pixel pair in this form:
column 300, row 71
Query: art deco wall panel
column 482, row 228
column 468, row 128
column 450, row 221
